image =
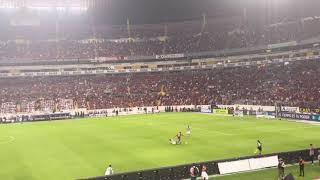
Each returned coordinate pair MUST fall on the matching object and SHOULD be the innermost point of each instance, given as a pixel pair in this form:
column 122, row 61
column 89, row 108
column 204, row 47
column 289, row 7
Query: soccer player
column 259, row 147
column 179, row 137
column 172, row 141
column 188, row 131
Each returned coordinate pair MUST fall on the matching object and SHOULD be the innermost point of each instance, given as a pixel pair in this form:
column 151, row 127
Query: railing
column 182, row 171
column 218, row 53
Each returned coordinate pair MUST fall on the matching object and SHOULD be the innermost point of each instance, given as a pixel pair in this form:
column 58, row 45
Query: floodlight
column 44, row 5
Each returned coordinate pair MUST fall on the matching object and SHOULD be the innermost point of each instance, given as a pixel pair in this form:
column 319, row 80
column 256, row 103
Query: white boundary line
column 9, row 140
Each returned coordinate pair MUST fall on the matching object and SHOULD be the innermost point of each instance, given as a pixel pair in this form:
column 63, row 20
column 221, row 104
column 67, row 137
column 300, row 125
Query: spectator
column 217, row 34
column 281, row 167
column 311, row 153
column 109, row 171
column 194, row 171
column 295, row 84
column 319, row 157
column 204, row 174
column 301, row 167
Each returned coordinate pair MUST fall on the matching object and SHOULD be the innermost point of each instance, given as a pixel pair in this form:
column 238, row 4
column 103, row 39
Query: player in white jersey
column 109, row 171
column 172, row 141
column 188, row 131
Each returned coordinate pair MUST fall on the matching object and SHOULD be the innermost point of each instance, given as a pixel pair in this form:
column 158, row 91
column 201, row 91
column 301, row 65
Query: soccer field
column 81, row 148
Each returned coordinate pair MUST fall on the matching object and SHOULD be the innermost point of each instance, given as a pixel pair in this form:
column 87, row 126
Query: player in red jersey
column 179, row 137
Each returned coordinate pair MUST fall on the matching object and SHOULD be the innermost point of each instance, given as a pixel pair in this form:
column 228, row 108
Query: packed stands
column 293, row 84
column 148, row 40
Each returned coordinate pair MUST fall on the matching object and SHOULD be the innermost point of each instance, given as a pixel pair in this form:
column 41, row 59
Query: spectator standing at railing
column 311, row 153
column 319, row 157
column 281, row 167
column 204, row 174
column 194, row 171
column 301, row 167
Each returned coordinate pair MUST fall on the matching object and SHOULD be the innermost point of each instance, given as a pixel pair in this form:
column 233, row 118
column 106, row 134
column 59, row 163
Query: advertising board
column 220, row 111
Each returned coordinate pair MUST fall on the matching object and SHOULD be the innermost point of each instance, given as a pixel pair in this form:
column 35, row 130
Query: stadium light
column 45, row 5
column 7, row 7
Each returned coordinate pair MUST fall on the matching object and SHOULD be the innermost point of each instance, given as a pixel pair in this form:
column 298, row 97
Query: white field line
column 306, row 122
column 7, row 140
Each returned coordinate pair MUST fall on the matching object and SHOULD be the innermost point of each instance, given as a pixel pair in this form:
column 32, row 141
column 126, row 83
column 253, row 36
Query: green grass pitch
column 81, row 148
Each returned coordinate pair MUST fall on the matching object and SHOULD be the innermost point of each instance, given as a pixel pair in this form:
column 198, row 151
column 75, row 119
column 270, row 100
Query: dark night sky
column 157, row 11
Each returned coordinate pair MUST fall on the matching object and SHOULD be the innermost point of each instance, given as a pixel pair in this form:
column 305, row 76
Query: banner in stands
column 220, row 111
column 169, row 56
column 105, row 59
column 299, row 116
column 290, row 109
column 285, row 44
column 268, row 115
column 206, row 109
column 249, row 107
column 247, row 164
column 295, row 116
column 271, row 113
column 308, row 110
column 316, row 117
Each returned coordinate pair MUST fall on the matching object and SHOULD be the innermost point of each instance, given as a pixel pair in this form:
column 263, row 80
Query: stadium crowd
column 122, row 41
column 294, row 84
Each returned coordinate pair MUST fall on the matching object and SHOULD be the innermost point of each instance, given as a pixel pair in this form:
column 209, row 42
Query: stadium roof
column 161, row 11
